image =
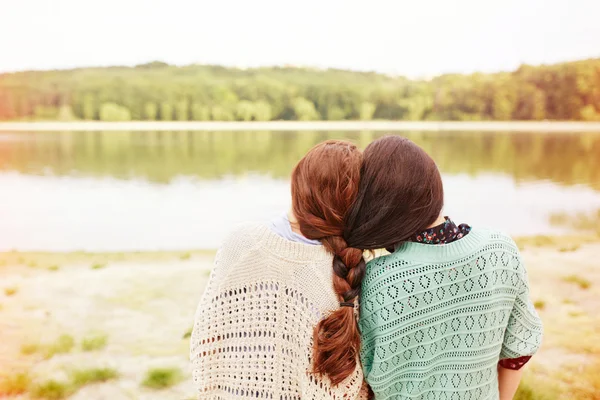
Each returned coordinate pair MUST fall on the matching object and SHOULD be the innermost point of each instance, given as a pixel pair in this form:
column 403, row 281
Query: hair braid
column 324, row 187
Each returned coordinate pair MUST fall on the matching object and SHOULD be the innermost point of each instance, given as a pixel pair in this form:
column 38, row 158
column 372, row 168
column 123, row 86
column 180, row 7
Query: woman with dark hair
column 447, row 314
column 277, row 318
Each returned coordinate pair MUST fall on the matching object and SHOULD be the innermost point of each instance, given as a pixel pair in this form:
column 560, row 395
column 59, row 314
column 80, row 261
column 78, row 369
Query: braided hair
column 324, row 187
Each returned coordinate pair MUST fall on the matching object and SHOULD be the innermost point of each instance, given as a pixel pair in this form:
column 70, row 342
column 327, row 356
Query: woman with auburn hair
column 447, row 314
column 283, row 294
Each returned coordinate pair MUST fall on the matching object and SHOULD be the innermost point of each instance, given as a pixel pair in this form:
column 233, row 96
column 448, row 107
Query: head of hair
column 324, row 187
column 400, row 194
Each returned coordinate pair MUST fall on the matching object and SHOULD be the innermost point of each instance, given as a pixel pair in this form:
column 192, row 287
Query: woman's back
column 435, row 319
column 253, row 332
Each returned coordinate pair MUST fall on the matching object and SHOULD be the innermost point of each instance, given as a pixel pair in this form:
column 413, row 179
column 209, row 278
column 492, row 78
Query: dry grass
column 11, row 291
column 84, row 377
column 539, row 304
column 162, row 378
column 531, row 389
column 579, row 281
column 51, row 390
column 590, row 387
column 64, row 344
column 85, row 258
column 95, row 342
column 188, row 334
column 13, row 385
column 564, row 242
column 569, row 248
column 30, row 348
column 580, row 221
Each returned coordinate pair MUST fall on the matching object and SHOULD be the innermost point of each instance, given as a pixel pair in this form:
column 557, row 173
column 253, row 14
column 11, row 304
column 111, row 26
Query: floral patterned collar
column 446, row 232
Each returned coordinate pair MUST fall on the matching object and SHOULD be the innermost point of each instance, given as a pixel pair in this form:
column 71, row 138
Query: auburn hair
column 324, row 187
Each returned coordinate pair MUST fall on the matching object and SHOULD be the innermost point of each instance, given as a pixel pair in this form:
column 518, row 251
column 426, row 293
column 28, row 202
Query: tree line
column 160, row 92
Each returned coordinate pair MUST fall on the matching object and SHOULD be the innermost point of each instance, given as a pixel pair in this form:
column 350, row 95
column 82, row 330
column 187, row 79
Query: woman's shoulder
column 479, row 239
column 500, row 238
column 242, row 238
column 250, row 229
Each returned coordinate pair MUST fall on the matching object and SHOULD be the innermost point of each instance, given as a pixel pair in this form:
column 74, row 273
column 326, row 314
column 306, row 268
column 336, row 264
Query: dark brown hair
column 324, row 187
column 400, row 194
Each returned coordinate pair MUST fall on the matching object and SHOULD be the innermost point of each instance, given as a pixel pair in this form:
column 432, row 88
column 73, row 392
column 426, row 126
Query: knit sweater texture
column 253, row 330
column 435, row 319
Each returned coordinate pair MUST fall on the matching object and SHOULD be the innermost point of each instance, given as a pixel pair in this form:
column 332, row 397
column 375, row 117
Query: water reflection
column 161, row 156
column 180, row 190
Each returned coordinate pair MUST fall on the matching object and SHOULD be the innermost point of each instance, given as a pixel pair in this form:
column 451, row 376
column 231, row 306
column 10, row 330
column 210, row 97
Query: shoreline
column 556, row 241
column 356, row 126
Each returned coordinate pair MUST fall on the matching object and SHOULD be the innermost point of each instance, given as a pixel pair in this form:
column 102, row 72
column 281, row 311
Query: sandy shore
column 144, row 304
column 144, row 307
column 487, row 126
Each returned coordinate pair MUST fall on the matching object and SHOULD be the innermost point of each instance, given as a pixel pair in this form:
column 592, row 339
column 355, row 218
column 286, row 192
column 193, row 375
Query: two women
column 446, row 315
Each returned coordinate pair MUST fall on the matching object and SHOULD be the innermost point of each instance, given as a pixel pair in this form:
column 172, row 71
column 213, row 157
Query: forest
column 157, row 91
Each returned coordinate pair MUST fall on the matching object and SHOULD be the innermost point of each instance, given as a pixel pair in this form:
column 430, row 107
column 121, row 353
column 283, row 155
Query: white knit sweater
column 252, row 336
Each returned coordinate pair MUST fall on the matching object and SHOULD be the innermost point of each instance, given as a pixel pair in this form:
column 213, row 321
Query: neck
column 294, row 223
column 440, row 220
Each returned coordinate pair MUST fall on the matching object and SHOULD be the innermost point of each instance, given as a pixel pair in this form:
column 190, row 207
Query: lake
column 126, row 191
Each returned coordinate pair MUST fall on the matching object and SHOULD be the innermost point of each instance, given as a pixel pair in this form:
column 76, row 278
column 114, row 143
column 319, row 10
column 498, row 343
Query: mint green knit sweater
column 435, row 319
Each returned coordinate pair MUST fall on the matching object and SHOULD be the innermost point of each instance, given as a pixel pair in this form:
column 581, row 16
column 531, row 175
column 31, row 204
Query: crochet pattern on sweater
column 435, row 320
column 252, row 336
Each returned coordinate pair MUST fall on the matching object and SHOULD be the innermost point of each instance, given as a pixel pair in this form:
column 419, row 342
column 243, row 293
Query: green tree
column 220, row 113
column 367, row 109
column 502, row 107
column 114, row 112
column 304, row 109
column 244, row 111
column 150, row 111
column 335, row 113
column 89, row 110
column 415, row 108
column 45, row 113
column 530, row 104
column 589, row 113
column 166, row 111
column 182, row 110
column 65, row 113
column 262, row 111
column 200, row 112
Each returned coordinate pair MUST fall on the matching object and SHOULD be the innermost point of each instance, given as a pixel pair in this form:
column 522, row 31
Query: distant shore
column 431, row 126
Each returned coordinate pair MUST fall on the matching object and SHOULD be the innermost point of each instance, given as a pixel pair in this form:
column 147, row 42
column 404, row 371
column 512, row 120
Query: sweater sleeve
column 523, row 335
column 207, row 332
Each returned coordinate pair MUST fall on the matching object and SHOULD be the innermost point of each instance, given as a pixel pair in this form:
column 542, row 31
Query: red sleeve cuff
column 514, row 363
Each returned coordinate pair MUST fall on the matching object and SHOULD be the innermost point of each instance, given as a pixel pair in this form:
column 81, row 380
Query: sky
column 417, row 38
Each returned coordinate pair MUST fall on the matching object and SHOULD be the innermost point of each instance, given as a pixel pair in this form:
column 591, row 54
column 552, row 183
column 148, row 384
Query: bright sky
column 408, row 37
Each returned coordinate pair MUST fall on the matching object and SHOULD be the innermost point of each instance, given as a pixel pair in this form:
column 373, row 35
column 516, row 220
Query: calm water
column 183, row 190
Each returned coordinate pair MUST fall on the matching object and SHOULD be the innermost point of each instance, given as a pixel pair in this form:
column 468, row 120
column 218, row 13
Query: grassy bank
column 116, row 325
